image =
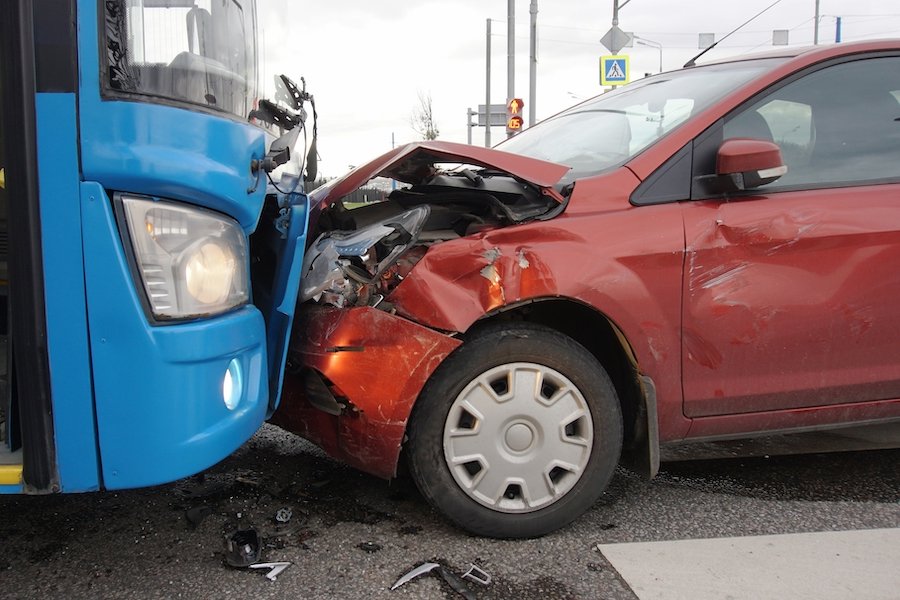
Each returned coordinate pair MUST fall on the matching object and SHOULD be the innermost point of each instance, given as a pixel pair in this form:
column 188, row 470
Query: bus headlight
column 192, row 261
column 209, row 272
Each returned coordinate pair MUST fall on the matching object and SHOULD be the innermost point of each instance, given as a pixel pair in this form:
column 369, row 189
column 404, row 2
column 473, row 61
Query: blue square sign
column 613, row 70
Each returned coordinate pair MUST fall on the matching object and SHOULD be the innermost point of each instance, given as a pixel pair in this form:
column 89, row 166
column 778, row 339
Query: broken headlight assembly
column 191, row 261
column 346, row 267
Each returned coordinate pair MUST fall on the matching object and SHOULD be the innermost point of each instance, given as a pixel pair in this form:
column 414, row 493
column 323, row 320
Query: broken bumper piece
column 356, row 373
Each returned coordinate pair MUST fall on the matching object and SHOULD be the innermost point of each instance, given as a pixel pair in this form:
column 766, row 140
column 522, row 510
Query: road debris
column 369, row 547
column 197, row 514
column 283, row 515
column 477, row 574
column 452, row 579
column 420, row 570
column 275, row 568
column 242, row 548
column 459, row 586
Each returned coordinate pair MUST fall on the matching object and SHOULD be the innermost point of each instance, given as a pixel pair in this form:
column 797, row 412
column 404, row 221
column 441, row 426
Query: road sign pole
column 510, row 52
column 487, row 87
column 532, row 83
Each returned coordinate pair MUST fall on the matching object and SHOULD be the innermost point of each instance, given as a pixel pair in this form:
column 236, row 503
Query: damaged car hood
column 413, row 163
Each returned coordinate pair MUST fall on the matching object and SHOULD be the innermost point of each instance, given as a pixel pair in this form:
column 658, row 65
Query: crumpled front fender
column 456, row 283
column 374, row 364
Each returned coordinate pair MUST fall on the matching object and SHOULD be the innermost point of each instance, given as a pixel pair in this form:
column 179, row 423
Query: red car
column 705, row 254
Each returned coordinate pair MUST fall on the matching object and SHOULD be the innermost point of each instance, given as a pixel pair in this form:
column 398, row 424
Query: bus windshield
column 201, row 52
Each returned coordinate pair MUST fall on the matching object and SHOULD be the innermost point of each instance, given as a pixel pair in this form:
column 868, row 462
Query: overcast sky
column 366, row 60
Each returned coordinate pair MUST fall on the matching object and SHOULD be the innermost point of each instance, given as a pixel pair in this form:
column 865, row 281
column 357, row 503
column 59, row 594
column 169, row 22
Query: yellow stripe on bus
column 10, row 474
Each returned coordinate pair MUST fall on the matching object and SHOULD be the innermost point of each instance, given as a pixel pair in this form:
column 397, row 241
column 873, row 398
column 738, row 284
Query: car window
column 838, row 125
column 608, row 130
column 648, row 125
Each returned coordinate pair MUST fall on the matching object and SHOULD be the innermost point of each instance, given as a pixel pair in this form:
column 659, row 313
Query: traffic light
column 514, row 120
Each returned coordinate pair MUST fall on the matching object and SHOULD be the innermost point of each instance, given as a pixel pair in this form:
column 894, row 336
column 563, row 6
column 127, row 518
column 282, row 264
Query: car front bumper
column 353, row 378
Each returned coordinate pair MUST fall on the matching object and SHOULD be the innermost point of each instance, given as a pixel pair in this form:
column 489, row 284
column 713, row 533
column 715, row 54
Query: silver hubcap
column 518, row 437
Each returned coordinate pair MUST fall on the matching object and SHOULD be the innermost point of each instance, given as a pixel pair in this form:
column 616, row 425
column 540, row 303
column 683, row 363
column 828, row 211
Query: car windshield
column 608, row 130
column 202, row 52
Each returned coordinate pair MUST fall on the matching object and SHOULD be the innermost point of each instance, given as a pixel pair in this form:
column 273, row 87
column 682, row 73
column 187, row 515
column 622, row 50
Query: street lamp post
column 651, row 44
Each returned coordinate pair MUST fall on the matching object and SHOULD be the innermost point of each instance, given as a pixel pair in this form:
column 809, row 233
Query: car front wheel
column 516, row 434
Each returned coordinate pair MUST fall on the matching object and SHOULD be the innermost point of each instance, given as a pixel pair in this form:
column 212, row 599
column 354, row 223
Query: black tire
column 503, row 351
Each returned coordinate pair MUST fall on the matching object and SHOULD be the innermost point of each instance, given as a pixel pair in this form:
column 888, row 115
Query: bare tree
column 422, row 118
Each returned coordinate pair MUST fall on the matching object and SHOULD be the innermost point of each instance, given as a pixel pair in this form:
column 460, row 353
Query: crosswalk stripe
column 822, row 566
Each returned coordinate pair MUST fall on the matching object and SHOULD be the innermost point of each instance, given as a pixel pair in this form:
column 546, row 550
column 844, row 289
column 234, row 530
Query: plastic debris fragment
column 369, row 547
column 242, row 548
column 275, row 568
column 477, row 574
column 459, row 586
column 420, row 570
column 283, row 515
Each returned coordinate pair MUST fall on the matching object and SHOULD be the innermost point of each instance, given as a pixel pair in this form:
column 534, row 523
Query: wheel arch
column 610, row 346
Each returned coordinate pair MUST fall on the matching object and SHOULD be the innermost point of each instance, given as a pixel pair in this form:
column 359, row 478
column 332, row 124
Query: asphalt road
column 352, row 536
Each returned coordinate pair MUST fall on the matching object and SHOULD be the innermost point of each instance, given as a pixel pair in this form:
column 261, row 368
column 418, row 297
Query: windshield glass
column 198, row 51
column 609, row 129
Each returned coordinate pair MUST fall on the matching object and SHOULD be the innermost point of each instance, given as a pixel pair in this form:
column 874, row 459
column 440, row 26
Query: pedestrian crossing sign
column 614, row 70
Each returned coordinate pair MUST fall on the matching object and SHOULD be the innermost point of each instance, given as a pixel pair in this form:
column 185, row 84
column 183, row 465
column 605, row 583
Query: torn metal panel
column 414, row 162
column 376, row 364
column 456, row 283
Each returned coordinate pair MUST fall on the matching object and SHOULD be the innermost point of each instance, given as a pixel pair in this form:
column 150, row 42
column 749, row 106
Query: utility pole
column 487, row 89
column 532, row 73
column 816, row 31
column 510, row 53
column 617, row 6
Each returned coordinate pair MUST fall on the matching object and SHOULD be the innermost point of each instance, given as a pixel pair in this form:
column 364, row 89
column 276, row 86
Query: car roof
column 814, row 52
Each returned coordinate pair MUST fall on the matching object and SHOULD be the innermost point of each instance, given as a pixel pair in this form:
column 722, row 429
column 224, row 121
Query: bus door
column 27, row 448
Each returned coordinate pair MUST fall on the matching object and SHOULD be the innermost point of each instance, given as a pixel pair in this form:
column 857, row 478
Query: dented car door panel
column 791, row 301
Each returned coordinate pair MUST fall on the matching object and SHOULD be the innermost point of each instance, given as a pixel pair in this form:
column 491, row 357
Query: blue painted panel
column 10, row 489
column 174, row 153
column 290, row 253
column 67, row 337
column 159, row 396
column 167, row 151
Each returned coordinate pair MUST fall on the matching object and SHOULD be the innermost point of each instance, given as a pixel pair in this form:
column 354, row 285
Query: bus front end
column 149, row 186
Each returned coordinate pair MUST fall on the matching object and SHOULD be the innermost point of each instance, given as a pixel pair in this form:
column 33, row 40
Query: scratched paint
column 524, row 263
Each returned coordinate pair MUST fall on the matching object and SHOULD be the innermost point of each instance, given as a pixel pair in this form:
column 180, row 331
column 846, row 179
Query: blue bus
column 148, row 275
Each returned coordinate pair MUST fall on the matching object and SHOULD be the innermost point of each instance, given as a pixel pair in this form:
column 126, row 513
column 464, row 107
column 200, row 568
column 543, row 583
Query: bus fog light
column 233, row 385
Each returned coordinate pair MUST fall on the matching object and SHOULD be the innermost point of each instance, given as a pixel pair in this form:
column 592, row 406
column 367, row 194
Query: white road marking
column 822, row 566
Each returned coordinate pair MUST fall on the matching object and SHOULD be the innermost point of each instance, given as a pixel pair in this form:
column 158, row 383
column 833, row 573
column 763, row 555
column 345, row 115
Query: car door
column 791, row 291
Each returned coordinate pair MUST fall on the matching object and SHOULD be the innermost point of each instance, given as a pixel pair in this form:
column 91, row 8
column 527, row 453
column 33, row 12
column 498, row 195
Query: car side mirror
column 749, row 163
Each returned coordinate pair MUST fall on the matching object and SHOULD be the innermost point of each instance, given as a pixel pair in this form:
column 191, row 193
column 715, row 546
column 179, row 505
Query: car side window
column 839, row 125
